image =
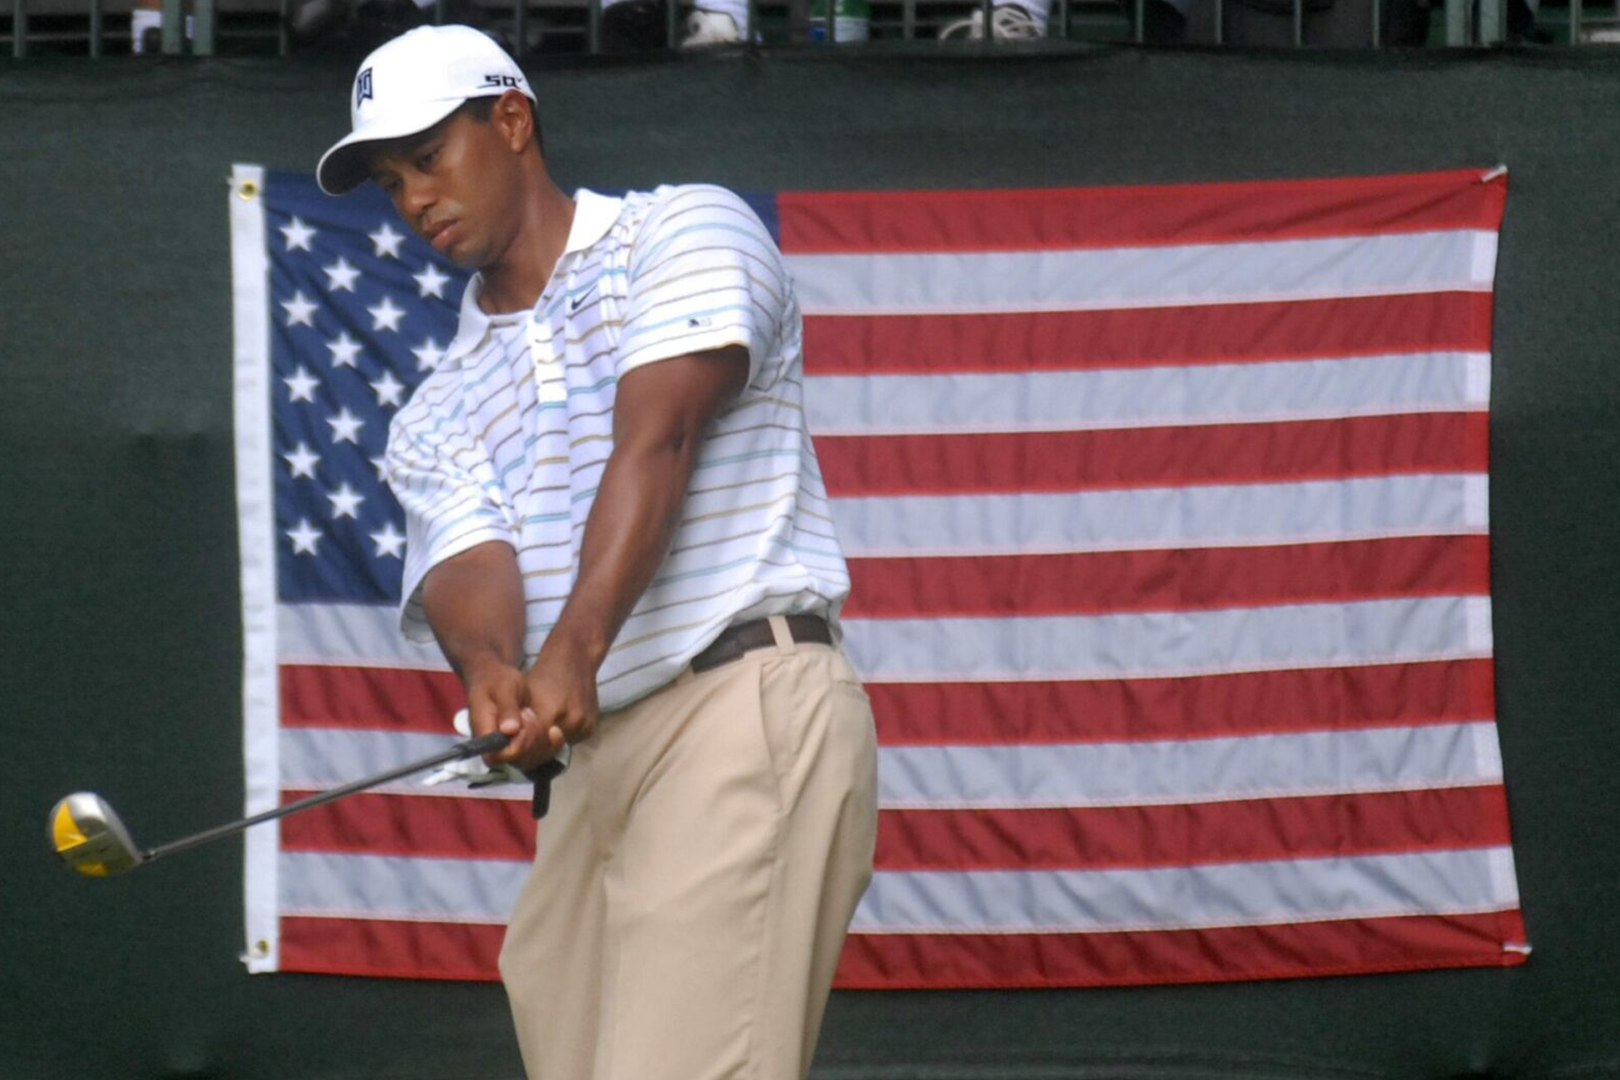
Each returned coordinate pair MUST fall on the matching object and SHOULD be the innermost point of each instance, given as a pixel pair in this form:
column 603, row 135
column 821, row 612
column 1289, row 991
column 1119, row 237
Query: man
column 618, row 535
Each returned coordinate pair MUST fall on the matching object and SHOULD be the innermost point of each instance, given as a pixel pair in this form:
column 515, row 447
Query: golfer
column 619, row 536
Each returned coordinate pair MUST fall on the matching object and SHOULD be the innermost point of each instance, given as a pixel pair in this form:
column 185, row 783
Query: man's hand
column 562, row 693
column 498, row 699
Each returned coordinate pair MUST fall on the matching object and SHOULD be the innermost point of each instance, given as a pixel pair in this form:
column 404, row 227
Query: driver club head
column 86, row 834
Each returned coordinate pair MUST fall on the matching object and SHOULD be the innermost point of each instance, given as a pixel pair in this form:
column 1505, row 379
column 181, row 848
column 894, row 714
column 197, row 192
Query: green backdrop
column 120, row 642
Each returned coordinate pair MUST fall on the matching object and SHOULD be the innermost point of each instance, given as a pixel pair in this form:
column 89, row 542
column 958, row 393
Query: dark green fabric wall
column 119, row 638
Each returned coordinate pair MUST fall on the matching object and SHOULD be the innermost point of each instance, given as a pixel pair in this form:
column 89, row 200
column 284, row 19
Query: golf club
column 88, row 836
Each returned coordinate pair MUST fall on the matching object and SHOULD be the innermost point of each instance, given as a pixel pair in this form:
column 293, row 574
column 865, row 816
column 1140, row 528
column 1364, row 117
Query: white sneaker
column 1008, row 22
column 705, row 28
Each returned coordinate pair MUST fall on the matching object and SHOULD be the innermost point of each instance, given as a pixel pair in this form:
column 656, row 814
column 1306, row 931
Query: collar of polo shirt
column 594, row 215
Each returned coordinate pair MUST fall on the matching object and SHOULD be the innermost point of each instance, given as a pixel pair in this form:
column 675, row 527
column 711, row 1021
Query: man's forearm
column 474, row 602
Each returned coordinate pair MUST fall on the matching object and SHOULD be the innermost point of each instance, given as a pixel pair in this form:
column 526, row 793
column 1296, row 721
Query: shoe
column 1008, row 22
column 707, row 28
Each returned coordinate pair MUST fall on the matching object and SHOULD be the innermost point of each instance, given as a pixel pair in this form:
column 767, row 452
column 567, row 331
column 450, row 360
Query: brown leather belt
column 756, row 634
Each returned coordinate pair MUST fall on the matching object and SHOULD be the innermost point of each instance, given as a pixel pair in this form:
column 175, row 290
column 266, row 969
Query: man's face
column 454, row 185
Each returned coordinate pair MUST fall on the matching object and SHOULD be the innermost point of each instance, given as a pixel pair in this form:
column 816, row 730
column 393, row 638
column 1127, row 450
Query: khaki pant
column 695, row 877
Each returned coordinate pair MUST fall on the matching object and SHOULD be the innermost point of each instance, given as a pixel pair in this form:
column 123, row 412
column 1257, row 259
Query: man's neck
column 515, row 281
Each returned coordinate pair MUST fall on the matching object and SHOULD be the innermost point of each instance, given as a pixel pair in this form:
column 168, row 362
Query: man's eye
column 426, row 160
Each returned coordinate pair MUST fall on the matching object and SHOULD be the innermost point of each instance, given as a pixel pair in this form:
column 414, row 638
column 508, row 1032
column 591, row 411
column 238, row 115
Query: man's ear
column 512, row 118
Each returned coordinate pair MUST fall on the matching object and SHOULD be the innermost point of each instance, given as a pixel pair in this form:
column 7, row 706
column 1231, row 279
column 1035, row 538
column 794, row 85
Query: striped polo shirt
column 506, row 440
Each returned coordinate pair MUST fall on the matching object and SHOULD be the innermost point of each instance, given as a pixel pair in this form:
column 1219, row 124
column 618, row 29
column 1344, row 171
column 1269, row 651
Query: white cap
column 410, row 84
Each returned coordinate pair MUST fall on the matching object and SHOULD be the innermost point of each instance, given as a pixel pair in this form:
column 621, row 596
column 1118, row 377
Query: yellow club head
column 86, row 834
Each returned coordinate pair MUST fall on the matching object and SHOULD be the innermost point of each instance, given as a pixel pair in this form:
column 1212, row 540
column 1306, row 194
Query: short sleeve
column 704, row 274
column 444, row 482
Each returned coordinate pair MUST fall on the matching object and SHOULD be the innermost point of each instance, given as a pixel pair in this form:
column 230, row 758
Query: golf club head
column 86, row 834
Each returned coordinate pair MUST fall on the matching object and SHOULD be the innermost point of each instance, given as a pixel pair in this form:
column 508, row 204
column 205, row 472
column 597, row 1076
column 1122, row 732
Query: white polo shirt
column 507, row 439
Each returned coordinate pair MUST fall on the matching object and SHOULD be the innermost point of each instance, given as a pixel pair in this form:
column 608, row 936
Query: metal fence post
column 593, row 26
column 174, row 27
column 1376, row 36
column 95, row 29
column 1456, row 22
column 19, row 28
column 203, row 45
column 1299, row 24
column 1575, row 22
column 520, row 28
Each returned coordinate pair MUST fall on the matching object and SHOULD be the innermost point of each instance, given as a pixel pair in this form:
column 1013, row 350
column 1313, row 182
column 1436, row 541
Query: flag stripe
column 945, row 961
column 1107, row 710
column 958, row 712
column 1038, row 218
column 949, row 344
column 395, row 887
column 375, row 697
column 969, row 402
column 1457, row 881
column 1137, row 645
column 384, row 824
column 1429, row 442
column 1097, row 774
column 923, row 283
column 1243, row 830
column 391, row 948
column 1082, row 774
column 1214, row 515
column 1129, row 645
column 1185, row 579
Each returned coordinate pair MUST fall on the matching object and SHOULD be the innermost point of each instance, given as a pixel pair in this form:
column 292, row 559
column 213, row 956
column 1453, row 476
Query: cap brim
column 343, row 167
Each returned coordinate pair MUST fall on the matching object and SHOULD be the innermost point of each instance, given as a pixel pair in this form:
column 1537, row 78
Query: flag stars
column 386, row 241
column 301, row 385
column 388, row 390
column 302, row 461
column 344, row 350
column 345, row 501
column 381, row 465
column 300, row 310
column 304, row 537
column 341, row 276
column 346, row 426
column 298, row 235
column 385, row 316
column 390, row 542
column 430, row 282
column 428, row 355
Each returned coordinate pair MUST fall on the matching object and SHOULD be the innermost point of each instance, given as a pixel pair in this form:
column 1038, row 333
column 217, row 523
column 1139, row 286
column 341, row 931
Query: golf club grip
column 484, row 744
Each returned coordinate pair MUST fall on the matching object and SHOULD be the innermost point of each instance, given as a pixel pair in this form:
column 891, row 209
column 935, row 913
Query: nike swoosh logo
column 575, row 303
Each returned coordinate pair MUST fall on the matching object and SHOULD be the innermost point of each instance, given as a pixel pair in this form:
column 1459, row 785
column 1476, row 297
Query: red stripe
column 330, row 695
column 1145, row 337
column 1354, row 946
column 1135, row 216
column 432, row 950
column 1106, row 710
column 1176, row 580
column 440, row 826
column 865, row 465
column 401, row 950
column 1250, row 830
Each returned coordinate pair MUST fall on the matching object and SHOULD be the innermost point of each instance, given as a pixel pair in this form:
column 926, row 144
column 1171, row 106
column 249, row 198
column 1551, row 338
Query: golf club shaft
column 467, row 748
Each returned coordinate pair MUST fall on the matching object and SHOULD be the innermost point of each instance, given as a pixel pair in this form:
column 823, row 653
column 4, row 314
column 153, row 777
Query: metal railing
column 200, row 28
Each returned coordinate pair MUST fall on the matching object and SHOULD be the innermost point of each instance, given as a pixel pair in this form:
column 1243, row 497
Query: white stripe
column 1288, row 765
column 1176, row 898
column 1147, row 397
column 1146, row 519
column 314, row 758
column 395, row 887
column 1067, row 280
column 255, row 506
column 361, row 635
column 1163, row 644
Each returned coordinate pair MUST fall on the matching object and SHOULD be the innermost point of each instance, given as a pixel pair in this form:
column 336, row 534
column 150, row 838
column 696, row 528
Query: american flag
column 1166, row 508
